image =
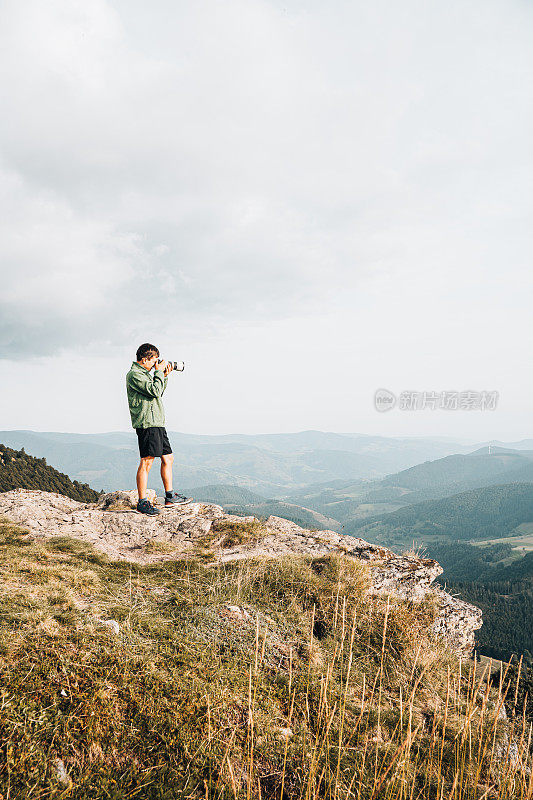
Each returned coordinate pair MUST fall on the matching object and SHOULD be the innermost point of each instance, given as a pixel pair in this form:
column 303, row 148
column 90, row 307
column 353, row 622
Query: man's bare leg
column 142, row 475
column 166, row 471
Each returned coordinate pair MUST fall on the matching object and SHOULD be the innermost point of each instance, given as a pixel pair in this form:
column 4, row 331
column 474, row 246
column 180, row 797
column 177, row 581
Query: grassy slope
column 321, row 692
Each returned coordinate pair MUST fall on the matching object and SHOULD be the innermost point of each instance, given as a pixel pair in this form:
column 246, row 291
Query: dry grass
column 160, row 546
column 228, row 533
column 120, row 506
column 305, row 688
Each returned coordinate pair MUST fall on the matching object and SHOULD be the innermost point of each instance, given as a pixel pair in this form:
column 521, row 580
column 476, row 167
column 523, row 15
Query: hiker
column 148, row 418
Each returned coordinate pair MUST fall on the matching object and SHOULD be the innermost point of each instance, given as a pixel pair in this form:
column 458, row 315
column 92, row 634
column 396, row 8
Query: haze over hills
column 274, row 465
column 300, row 476
column 198, row 461
column 350, row 501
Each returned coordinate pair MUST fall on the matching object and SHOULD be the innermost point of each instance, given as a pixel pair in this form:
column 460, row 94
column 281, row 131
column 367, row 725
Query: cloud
column 224, row 163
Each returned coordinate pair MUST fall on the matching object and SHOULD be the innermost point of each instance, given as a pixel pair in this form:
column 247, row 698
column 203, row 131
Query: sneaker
column 145, row 507
column 177, row 499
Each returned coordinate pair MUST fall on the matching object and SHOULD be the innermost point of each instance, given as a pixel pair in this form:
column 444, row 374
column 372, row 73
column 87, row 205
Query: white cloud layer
column 188, row 169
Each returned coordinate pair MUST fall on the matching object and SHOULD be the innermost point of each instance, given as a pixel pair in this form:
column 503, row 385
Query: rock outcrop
column 180, row 532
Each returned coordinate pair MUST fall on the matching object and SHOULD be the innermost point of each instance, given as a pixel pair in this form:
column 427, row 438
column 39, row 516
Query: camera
column 179, row 366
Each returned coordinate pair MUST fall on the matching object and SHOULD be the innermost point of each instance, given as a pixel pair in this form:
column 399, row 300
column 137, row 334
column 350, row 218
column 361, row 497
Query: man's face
column 149, row 361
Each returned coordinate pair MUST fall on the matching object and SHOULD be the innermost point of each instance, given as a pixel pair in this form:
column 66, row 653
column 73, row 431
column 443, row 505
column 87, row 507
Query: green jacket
column 144, row 396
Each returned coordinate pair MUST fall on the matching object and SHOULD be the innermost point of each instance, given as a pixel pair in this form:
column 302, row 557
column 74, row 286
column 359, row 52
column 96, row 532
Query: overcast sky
column 304, row 201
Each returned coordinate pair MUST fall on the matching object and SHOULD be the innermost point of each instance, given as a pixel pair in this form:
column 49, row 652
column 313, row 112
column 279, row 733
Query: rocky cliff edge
column 205, row 530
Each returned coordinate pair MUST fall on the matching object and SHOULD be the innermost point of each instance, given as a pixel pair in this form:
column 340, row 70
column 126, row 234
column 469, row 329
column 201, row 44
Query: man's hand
column 161, row 364
column 168, row 368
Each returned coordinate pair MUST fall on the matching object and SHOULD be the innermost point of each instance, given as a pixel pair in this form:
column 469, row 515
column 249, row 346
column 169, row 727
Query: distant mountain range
column 351, row 501
column 459, row 472
column 273, row 465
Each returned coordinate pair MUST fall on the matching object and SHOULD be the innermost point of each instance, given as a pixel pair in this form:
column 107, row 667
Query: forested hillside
column 488, row 513
column 18, row 470
column 462, row 561
column 507, row 615
column 458, row 472
column 499, row 580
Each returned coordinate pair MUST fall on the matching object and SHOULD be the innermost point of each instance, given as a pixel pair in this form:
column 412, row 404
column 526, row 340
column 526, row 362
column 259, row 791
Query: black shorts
column 153, row 442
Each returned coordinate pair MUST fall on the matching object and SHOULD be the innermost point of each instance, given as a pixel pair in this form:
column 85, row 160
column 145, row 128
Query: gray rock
column 60, row 772
column 126, row 499
column 112, row 624
column 238, row 611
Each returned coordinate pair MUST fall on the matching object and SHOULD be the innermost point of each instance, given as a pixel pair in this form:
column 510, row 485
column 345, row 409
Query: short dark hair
column 146, row 350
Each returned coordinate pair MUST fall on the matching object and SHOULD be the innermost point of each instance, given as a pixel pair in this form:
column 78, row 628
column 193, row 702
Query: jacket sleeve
column 148, row 386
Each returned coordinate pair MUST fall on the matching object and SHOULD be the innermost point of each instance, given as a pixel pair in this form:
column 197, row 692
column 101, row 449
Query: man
column 148, row 419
